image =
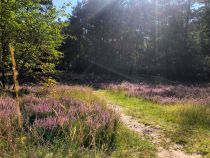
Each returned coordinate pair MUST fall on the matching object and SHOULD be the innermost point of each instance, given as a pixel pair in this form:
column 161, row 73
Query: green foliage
column 50, row 83
column 32, row 27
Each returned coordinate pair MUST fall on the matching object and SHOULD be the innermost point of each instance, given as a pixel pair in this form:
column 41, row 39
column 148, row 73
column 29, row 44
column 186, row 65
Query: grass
column 80, row 93
column 188, row 125
column 130, row 145
column 59, row 149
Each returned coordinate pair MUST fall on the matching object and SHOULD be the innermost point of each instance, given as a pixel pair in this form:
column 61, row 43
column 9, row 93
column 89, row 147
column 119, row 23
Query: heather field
column 116, row 120
column 65, row 121
column 167, row 94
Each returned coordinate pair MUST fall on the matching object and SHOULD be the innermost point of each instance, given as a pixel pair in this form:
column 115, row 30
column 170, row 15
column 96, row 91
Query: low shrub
column 48, row 119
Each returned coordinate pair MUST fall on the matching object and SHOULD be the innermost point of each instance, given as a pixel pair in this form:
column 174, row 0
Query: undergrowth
column 65, row 121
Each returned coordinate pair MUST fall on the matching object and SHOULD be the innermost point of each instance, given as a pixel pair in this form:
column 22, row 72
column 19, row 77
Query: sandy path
column 156, row 135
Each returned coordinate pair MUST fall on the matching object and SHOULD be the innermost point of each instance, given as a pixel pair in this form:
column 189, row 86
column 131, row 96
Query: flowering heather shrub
column 8, row 124
column 7, row 115
column 87, row 125
column 165, row 94
column 7, row 108
column 83, row 123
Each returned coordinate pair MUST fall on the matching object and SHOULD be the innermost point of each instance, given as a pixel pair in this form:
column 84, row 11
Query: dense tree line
column 32, row 28
column 170, row 38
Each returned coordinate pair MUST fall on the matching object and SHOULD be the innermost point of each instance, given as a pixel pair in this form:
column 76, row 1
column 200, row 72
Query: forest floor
column 163, row 125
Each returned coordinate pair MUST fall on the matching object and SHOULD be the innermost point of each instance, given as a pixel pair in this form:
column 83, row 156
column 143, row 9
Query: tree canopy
column 153, row 37
column 33, row 28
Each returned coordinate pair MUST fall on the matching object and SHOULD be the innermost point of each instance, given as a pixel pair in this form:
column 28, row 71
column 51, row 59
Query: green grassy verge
column 130, row 145
column 188, row 125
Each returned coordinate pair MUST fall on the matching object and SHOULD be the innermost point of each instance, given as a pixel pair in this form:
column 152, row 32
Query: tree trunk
column 16, row 86
column 3, row 47
column 3, row 77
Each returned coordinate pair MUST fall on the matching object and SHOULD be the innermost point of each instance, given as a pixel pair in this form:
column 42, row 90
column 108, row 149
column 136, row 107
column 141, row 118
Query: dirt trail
column 156, row 135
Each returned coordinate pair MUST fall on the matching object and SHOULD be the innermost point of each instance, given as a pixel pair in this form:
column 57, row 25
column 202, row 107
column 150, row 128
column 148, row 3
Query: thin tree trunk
column 16, row 86
column 3, row 45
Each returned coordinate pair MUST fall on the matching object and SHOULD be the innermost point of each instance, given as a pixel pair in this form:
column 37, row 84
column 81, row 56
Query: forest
column 140, row 37
column 105, row 78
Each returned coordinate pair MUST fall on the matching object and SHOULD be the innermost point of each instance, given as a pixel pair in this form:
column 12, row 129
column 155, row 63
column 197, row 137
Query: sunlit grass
column 188, row 125
column 131, row 145
column 83, row 94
